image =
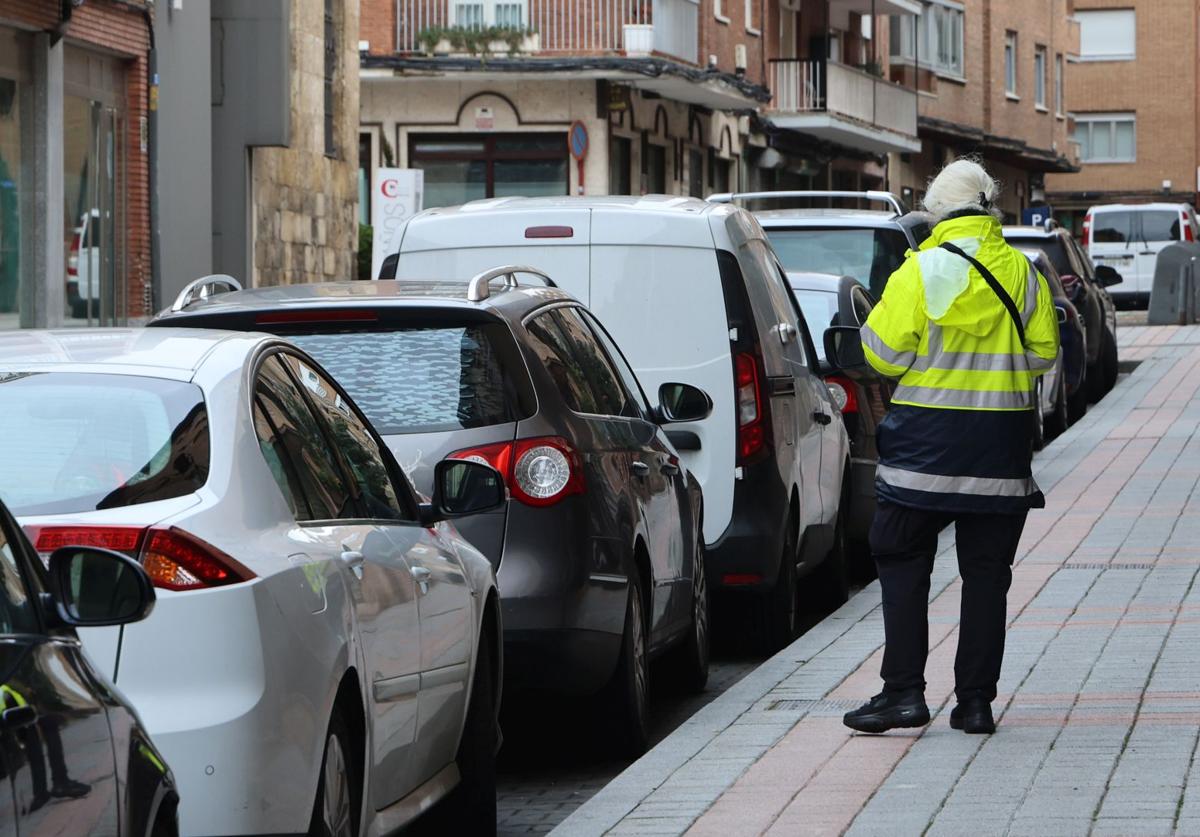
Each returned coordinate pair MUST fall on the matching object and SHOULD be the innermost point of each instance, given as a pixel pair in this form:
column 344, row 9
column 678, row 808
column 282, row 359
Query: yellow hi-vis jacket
column 945, row 334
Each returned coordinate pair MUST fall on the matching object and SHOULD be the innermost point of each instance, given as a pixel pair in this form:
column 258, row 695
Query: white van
column 1129, row 237
column 691, row 292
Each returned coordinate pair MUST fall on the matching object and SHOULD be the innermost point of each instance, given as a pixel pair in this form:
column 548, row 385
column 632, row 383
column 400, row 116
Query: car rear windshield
column 1160, row 225
column 75, row 442
column 870, row 255
column 427, row 377
column 820, row 309
column 1112, row 227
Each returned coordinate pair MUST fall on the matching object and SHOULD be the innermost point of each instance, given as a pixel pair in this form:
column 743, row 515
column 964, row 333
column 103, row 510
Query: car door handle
column 18, row 717
column 822, row 418
column 640, row 469
column 421, row 576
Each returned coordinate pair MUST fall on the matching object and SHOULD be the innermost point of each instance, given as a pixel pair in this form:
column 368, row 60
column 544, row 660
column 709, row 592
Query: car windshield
column 424, row 378
column 1052, row 246
column 868, row 254
column 72, row 442
column 820, row 309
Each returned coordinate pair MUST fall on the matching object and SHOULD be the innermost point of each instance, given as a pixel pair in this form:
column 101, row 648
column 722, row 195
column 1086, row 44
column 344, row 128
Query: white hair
column 961, row 185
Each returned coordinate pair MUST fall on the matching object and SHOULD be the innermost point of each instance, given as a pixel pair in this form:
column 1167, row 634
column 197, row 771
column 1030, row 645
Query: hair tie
column 983, row 201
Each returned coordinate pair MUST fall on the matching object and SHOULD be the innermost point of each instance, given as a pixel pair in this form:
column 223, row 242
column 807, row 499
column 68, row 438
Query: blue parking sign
column 1036, row 216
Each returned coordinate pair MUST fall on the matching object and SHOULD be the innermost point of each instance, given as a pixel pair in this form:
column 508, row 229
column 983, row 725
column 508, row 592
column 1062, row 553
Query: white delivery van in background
column 691, row 292
column 1129, row 237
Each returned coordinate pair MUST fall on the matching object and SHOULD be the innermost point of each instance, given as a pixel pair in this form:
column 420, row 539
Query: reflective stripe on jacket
column 958, row 435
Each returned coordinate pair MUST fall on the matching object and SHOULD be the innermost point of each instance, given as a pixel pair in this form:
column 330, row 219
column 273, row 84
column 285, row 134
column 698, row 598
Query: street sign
column 579, row 140
column 1037, row 216
column 396, row 196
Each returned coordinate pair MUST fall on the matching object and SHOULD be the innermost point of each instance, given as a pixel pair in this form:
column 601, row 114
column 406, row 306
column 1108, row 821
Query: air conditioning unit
column 739, row 57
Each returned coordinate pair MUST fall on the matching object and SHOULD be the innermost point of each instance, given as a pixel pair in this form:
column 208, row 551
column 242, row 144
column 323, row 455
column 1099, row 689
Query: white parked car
column 83, row 268
column 693, row 293
column 1129, row 237
column 324, row 657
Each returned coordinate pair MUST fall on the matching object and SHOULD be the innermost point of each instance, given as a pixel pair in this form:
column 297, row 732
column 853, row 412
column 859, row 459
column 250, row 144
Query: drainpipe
column 152, row 163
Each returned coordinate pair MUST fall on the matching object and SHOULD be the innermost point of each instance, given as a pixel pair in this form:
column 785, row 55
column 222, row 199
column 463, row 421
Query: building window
column 1106, row 137
column 750, row 23
column 1058, row 84
column 1107, row 34
column 718, row 172
column 935, row 38
column 719, row 11
column 620, row 151
column 464, row 167
column 654, row 168
column 695, row 173
column 331, row 61
column 1010, row 63
column 476, row 14
column 1039, row 76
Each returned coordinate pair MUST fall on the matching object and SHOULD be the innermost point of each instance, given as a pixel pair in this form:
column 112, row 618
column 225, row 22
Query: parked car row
column 534, row 456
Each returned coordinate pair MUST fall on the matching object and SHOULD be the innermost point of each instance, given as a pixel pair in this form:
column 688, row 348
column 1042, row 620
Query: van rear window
column 1160, row 225
column 1112, row 227
column 427, row 377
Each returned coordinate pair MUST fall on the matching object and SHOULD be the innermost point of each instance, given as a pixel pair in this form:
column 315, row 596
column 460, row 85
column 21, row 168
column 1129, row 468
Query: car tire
column 472, row 805
column 1039, row 415
column 1111, row 362
column 1055, row 422
column 691, row 658
column 779, row 615
column 337, row 810
column 629, row 692
column 1077, row 404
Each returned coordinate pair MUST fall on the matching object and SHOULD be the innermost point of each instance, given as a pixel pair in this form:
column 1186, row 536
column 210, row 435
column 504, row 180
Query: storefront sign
column 397, row 196
column 485, row 119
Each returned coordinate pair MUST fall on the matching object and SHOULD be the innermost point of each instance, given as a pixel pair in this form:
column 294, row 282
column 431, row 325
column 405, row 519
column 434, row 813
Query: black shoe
column 973, row 716
column 889, row 710
column 70, row 789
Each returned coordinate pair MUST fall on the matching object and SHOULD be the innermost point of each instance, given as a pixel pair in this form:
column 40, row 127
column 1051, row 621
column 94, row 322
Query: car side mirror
column 1108, row 276
column 682, row 402
column 843, row 347
column 462, row 488
column 387, row 269
column 95, row 587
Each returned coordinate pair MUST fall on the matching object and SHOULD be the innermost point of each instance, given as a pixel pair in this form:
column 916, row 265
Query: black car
column 74, row 754
column 1086, row 287
column 862, row 394
column 599, row 552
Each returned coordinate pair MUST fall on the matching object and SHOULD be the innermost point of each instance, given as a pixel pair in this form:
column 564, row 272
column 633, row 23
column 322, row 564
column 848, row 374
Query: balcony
column 843, row 105
column 665, row 28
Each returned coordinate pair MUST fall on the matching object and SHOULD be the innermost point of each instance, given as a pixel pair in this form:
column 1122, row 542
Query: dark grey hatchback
column 599, row 551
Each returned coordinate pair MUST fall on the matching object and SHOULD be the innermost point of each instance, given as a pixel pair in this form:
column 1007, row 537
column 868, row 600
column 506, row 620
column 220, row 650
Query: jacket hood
column 955, row 294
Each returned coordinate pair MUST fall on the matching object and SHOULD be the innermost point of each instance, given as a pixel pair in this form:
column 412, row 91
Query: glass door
column 91, row 160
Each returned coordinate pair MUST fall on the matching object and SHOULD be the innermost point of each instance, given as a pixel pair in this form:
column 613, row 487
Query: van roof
column 1107, row 207
column 672, row 204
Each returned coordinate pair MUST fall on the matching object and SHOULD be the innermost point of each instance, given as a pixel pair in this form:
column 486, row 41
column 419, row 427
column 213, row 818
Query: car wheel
column 629, row 691
column 1077, row 404
column 1055, row 422
column 472, row 805
column 1039, row 414
column 779, row 615
column 1111, row 363
column 338, row 806
column 691, row 667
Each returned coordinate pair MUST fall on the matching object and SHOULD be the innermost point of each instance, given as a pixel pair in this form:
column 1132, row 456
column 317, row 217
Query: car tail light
column 1086, row 235
column 173, row 559
column 750, row 406
column 73, row 256
column 549, row 232
column 538, row 472
column 842, row 390
column 1188, row 235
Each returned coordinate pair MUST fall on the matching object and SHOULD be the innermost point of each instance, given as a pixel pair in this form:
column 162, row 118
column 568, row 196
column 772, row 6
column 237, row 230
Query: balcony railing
column 804, row 85
column 587, row 27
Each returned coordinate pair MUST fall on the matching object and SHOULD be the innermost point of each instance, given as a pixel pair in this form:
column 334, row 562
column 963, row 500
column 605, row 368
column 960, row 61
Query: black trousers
column 904, row 541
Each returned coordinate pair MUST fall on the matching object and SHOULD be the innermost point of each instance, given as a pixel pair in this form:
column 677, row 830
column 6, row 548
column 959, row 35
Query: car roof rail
column 203, row 288
column 871, row 195
column 479, row 288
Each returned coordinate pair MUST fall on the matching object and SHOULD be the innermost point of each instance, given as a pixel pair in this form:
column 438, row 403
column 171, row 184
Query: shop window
column 695, row 173
column 620, row 151
column 465, row 167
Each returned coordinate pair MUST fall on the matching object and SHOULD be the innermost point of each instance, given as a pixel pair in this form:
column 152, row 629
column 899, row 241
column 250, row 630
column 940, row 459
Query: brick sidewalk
column 1099, row 706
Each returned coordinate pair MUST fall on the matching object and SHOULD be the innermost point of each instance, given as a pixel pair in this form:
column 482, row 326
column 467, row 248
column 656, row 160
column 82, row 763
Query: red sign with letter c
column 390, row 188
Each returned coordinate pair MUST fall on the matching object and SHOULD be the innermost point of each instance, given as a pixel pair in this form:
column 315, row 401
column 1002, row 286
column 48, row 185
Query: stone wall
column 305, row 202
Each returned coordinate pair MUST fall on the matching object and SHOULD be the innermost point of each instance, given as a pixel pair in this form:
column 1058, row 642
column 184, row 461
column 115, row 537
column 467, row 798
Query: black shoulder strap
column 996, row 287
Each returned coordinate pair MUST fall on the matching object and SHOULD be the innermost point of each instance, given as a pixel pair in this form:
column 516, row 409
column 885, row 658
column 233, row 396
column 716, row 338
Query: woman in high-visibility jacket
column 967, row 324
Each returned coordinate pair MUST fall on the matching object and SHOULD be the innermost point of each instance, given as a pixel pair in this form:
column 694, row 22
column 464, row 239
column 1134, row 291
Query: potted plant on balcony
column 638, row 38
column 435, row 40
column 511, row 40
column 470, row 40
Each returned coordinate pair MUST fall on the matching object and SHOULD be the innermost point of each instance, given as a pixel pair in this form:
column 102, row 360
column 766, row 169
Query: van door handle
column 822, row 418
column 640, row 469
column 421, row 576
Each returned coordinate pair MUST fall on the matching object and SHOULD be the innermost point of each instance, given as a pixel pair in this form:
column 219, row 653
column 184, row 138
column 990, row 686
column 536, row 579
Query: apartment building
column 482, row 94
column 992, row 79
column 1133, row 97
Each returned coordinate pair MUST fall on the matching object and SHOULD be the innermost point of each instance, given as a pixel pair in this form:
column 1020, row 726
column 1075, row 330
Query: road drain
column 816, row 707
column 1100, row 566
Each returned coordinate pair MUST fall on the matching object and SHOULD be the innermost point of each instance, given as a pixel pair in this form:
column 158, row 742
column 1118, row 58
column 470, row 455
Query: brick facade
column 120, row 29
column 1160, row 88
